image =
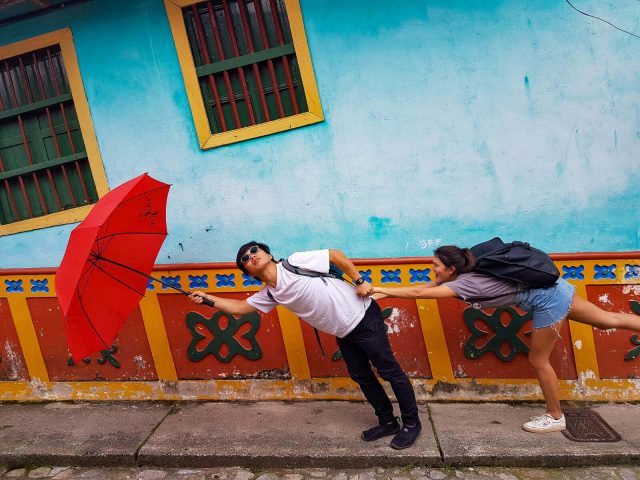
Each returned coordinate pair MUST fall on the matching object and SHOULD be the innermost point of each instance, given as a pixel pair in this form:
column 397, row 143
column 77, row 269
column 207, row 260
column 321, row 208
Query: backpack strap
column 334, row 272
column 315, row 330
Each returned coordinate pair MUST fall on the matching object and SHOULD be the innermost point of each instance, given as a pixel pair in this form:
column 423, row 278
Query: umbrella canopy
column 103, row 273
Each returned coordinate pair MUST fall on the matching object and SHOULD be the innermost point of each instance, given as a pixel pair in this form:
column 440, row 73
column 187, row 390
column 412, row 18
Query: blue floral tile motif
column 419, row 275
column 249, row 281
column 366, row 274
column 14, row 286
column 39, row 285
column 573, row 273
column 198, row 281
column 604, row 272
column 631, row 271
column 225, row 280
column 173, row 281
column 150, row 285
column 391, row 276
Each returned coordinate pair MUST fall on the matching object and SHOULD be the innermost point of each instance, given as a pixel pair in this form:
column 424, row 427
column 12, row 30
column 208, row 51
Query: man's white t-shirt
column 328, row 304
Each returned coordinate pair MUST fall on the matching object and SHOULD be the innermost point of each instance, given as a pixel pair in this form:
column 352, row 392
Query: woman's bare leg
column 584, row 311
column 542, row 342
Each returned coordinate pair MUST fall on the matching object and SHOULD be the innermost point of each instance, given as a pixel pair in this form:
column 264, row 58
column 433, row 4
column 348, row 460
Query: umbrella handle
column 208, row 302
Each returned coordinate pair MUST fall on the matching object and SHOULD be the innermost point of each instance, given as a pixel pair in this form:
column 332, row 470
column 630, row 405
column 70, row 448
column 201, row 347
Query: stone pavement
column 268, row 435
column 409, row 472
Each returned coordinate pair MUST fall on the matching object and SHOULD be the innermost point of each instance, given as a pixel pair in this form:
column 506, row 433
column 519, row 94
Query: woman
column 550, row 306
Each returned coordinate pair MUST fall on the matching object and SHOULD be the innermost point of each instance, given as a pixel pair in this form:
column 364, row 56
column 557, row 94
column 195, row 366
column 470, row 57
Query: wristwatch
column 358, row 281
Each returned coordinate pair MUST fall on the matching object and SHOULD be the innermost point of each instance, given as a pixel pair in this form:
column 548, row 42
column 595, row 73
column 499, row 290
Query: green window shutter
column 245, row 62
column 43, row 162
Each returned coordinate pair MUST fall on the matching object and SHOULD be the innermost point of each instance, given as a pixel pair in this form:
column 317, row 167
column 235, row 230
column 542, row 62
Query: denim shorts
column 547, row 305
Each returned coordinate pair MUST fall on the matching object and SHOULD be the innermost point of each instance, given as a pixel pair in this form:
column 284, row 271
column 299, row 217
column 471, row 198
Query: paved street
column 300, row 441
column 408, row 472
column 264, row 435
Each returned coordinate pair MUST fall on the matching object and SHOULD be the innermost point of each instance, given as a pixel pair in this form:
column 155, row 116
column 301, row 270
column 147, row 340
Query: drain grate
column 583, row 425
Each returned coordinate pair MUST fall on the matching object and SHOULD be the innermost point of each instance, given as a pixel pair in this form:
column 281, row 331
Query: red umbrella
column 104, row 272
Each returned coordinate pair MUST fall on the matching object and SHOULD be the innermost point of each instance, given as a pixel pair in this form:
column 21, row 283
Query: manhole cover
column 583, row 425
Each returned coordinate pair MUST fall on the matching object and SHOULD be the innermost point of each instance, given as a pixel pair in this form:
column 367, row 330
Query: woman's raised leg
column 584, row 311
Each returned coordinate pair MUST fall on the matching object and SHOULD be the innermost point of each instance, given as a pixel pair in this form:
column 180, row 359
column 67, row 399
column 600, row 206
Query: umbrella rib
column 88, row 273
column 86, row 315
column 135, row 197
column 94, row 262
column 103, row 247
column 142, row 273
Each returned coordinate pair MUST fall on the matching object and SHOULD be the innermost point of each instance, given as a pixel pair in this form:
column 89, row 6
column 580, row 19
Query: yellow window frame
column 63, row 38
column 206, row 137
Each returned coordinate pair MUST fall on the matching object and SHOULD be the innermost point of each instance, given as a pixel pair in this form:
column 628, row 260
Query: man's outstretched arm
column 340, row 260
column 228, row 305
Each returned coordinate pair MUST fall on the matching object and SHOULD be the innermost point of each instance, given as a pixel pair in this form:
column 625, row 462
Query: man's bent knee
column 392, row 374
column 363, row 378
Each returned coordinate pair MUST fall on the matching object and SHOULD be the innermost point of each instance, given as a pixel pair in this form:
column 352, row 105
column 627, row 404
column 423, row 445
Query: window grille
column 250, row 62
column 44, row 166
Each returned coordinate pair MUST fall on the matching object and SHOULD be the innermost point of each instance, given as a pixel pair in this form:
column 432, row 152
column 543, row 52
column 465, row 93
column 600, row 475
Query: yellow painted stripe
column 185, row 58
column 26, row 285
column 16, row 391
column 157, row 336
column 33, row 43
column 59, row 218
column 324, row 389
column 81, row 106
column 294, row 344
column 296, row 25
column 435, row 341
column 341, row 388
column 584, row 348
column 262, row 129
column 27, row 337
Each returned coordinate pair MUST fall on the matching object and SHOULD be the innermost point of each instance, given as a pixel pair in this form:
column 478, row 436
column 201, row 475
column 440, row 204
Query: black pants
column 368, row 342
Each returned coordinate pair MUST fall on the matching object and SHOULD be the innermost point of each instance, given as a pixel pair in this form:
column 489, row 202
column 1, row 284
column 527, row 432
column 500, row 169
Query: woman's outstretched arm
column 423, row 291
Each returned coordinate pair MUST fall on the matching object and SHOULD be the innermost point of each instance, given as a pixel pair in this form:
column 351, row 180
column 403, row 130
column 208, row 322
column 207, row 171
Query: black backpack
column 516, row 261
column 334, row 272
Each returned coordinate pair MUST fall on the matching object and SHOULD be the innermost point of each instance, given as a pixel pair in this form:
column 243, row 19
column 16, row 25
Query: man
column 335, row 307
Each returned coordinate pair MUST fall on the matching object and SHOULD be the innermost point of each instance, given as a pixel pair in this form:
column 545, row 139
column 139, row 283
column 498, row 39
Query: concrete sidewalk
column 294, row 434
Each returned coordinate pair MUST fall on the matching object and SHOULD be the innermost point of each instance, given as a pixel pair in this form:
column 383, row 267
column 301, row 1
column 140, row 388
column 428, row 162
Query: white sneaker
column 545, row 423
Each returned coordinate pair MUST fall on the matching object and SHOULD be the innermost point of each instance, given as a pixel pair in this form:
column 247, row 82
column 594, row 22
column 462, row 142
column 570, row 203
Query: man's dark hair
column 243, row 249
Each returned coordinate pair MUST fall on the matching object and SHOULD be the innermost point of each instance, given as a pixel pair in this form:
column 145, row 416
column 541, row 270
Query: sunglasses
column 247, row 256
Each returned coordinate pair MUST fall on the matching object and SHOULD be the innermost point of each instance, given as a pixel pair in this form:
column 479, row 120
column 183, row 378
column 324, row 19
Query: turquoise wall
column 446, row 122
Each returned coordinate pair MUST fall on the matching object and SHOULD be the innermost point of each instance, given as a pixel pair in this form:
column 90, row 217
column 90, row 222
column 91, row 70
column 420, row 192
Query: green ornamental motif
column 223, row 337
column 499, row 333
column 633, row 353
column 107, row 356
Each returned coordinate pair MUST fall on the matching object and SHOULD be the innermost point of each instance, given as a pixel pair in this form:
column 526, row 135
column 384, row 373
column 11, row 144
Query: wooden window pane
column 43, row 163
column 239, row 91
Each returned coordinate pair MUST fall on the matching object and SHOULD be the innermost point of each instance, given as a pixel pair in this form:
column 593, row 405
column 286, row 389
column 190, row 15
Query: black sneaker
column 380, row 431
column 406, row 437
